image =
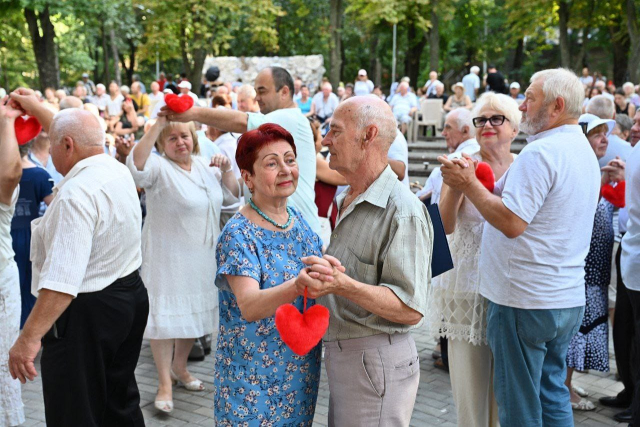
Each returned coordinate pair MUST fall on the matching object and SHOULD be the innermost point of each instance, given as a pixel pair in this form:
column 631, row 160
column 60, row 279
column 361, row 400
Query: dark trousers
column 623, row 333
column 634, row 297
column 89, row 357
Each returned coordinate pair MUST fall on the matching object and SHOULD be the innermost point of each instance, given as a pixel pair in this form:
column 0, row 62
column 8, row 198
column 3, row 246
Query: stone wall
column 309, row 68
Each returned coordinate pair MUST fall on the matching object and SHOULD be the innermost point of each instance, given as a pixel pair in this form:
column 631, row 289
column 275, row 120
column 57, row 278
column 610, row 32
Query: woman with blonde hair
column 459, row 311
column 184, row 198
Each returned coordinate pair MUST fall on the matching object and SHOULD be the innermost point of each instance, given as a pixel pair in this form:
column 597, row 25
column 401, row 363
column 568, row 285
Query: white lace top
column 458, row 310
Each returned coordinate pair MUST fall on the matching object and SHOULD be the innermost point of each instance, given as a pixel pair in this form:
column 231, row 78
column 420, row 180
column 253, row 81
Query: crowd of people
column 124, row 220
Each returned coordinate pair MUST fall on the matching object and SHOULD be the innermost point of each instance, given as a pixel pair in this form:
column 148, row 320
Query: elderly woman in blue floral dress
column 258, row 379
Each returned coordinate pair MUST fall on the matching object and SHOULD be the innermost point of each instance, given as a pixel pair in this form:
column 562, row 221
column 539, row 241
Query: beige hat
column 459, row 84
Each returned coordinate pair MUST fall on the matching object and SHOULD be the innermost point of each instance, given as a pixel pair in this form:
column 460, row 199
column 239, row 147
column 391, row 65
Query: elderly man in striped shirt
column 383, row 237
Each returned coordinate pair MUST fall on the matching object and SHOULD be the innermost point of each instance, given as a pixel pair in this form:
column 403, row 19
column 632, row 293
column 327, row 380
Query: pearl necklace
column 263, row 215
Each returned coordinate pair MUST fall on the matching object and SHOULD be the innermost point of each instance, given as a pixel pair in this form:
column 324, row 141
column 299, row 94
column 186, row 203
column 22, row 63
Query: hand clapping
column 458, row 173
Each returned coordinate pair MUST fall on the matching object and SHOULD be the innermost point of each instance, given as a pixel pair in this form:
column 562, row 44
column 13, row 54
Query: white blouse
column 90, row 234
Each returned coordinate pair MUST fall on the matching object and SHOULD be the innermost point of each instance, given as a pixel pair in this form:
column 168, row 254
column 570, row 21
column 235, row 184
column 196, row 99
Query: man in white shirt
column 247, row 99
column 471, row 83
column 92, row 306
column 324, row 103
column 155, row 96
column 100, row 98
column 430, row 85
column 274, row 88
column 630, row 258
column 403, row 105
column 459, row 133
column 585, row 78
column 297, row 86
column 398, row 158
column 533, row 250
column 185, row 89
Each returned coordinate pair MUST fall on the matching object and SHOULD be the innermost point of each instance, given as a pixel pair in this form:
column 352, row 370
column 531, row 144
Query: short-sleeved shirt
column 553, row 186
column 305, row 107
column 630, row 258
column 402, row 104
column 100, row 101
column 471, row 82
column 324, row 109
column 399, row 150
column 363, row 87
column 114, row 105
column 298, row 126
column 35, row 185
column 384, row 238
column 228, row 144
column 142, row 99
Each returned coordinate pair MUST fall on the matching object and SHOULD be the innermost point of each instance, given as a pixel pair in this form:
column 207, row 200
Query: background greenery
column 51, row 43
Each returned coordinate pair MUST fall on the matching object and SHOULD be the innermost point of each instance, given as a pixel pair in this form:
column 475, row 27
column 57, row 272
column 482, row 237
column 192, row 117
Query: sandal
column 583, row 405
column 195, row 385
column 580, row 391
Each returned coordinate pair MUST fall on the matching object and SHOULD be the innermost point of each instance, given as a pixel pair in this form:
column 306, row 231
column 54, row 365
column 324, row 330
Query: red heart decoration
column 485, row 175
column 615, row 195
column 178, row 104
column 301, row 331
column 26, row 129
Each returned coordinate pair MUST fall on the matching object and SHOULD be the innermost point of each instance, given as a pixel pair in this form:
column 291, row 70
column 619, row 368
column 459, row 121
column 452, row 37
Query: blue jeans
column 530, row 350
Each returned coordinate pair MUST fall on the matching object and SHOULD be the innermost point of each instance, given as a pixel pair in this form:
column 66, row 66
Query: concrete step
column 441, row 146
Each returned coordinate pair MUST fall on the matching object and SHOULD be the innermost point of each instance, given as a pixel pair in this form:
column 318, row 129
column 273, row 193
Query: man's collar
column 75, row 170
column 465, row 144
column 553, row 131
column 378, row 192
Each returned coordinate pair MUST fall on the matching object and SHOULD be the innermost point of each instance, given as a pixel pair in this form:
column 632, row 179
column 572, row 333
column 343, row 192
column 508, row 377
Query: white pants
column 471, row 370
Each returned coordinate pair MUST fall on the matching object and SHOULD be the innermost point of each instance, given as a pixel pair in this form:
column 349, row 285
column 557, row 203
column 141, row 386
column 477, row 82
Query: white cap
column 167, row 91
column 593, row 121
column 362, row 72
column 185, row 84
column 514, row 85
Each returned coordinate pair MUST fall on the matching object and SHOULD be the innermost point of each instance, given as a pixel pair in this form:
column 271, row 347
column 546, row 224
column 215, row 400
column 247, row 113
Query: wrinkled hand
column 221, row 161
column 8, row 113
column 124, row 146
column 323, row 276
column 614, row 171
column 24, row 99
column 21, row 358
column 187, row 116
column 458, row 173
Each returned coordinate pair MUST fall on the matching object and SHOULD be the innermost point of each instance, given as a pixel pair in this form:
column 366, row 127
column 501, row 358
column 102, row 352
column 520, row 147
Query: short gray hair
column 624, row 122
column 629, row 85
column 475, row 69
column 464, row 118
column 80, row 125
column 367, row 114
column 501, row 103
column 562, row 83
column 70, row 102
column 248, row 91
column 602, row 107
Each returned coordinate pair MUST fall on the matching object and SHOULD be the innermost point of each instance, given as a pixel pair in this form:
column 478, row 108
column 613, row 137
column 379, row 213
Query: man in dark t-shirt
column 495, row 81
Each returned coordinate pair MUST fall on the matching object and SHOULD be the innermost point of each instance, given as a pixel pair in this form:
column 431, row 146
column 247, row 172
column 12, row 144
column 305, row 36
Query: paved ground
column 434, row 404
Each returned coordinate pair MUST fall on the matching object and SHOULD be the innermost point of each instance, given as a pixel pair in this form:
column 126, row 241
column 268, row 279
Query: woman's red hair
column 250, row 143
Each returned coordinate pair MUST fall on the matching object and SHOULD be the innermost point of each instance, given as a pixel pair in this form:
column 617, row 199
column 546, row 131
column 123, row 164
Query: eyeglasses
column 480, row 122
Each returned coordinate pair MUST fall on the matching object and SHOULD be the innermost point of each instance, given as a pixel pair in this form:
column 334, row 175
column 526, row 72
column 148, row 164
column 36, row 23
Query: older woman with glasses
column 459, row 311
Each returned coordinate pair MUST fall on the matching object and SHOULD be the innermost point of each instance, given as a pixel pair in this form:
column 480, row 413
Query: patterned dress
column 589, row 348
column 259, row 381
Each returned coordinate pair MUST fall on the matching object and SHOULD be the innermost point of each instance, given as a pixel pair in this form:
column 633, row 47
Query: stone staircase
column 423, row 155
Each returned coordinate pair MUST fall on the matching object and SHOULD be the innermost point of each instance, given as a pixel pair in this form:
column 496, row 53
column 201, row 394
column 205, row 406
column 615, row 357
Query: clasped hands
column 613, row 171
column 322, row 276
column 458, row 173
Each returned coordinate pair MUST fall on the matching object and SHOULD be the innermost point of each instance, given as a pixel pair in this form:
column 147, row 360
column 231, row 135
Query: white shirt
column 430, row 86
column 90, row 234
column 553, row 185
column 100, row 101
column 228, row 144
column 114, row 106
column 399, row 150
column 6, row 215
column 297, row 125
column 586, row 80
column 325, row 109
column 154, row 99
column 433, row 184
column 471, row 82
column 402, row 104
column 363, row 87
column 630, row 258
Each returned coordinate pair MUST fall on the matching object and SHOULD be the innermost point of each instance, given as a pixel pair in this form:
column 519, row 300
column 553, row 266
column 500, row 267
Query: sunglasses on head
column 480, row 122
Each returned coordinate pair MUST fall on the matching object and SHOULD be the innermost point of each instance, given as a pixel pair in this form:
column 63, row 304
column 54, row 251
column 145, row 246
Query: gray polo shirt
column 384, row 238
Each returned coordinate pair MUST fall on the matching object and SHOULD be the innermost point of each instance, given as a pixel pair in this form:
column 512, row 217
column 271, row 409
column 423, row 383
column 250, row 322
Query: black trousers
column 89, row 357
column 634, row 297
column 623, row 334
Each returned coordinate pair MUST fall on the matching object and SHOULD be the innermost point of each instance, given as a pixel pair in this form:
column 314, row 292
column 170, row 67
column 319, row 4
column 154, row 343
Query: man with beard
column 533, row 252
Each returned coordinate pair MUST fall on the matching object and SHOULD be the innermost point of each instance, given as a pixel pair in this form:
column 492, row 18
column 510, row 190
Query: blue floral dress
column 259, row 381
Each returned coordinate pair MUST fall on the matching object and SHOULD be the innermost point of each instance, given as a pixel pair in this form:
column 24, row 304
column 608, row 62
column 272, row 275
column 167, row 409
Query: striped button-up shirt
column 383, row 238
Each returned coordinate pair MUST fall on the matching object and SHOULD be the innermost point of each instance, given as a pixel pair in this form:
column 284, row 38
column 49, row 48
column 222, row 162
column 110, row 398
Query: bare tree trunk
column 335, row 45
column 106, row 74
column 563, row 25
column 633, row 70
column 116, row 56
column 620, row 50
column 195, row 77
column 580, row 59
column 416, row 41
column 518, row 60
column 434, row 39
column 44, row 47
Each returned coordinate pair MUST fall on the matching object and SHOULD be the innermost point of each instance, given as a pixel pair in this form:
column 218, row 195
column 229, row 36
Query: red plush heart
column 178, row 104
column 615, row 195
column 301, row 331
column 485, row 175
column 27, row 129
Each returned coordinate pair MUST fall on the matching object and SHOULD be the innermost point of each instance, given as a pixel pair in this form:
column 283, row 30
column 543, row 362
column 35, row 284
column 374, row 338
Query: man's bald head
column 70, row 102
column 371, row 111
column 79, row 125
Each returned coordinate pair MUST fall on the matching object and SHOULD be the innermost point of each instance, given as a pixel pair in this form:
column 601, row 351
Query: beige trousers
column 373, row 381
column 471, row 371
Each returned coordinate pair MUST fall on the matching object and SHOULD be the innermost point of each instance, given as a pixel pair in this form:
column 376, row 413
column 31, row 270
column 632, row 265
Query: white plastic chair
column 430, row 114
